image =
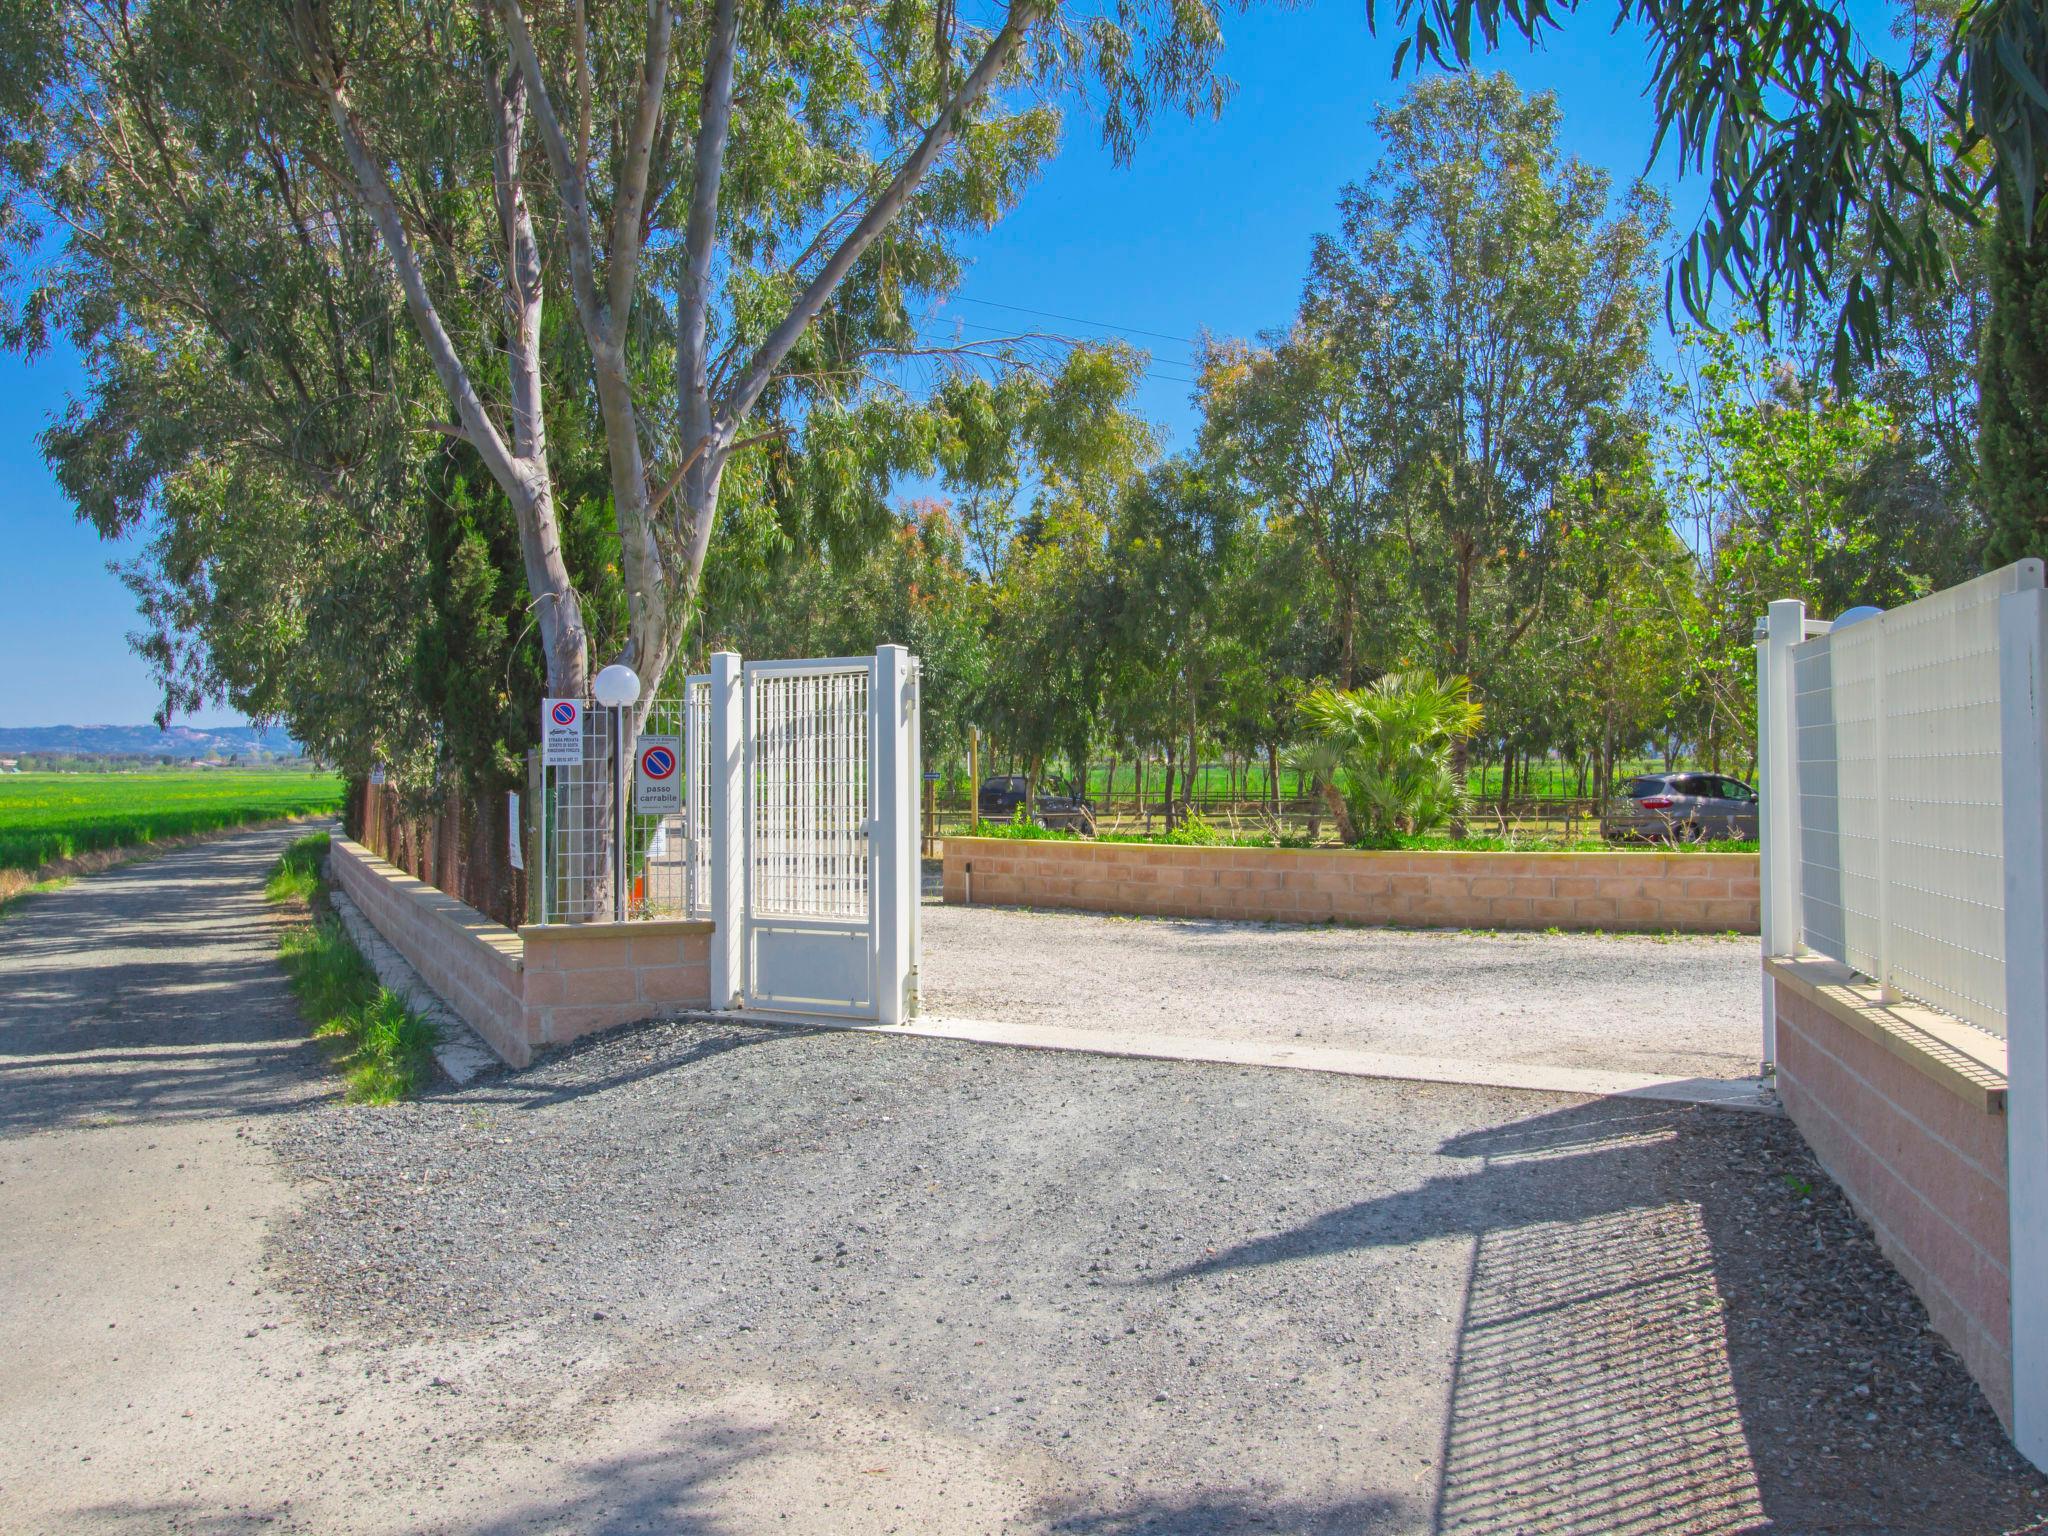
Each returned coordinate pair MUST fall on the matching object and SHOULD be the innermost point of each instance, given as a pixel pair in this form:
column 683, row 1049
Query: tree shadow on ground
column 664, row 1489
column 152, row 991
column 1674, row 1322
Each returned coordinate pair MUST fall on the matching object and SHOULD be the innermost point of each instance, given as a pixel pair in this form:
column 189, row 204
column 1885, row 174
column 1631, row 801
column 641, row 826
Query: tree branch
column 571, row 173
column 693, row 299
column 383, row 209
column 630, row 196
column 747, row 388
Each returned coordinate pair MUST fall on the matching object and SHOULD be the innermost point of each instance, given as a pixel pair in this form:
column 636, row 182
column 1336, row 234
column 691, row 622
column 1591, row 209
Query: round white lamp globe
column 617, row 686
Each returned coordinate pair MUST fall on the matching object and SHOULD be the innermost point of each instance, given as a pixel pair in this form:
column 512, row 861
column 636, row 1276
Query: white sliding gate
column 798, row 835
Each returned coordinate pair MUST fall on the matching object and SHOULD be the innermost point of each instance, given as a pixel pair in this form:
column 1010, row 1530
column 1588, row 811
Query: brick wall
column 592, row 977
column 538, row 986
column 1915, row 1135
column 1651, row 892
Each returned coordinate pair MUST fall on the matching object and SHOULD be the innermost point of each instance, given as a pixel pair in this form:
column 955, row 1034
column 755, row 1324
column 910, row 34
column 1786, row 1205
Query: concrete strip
column 461, row 1051
column 1725, row 1093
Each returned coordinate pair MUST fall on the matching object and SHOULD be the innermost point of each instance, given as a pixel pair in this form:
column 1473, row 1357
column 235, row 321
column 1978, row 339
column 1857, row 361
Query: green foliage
column 1021, row 831
column 297, row 875
column 1824, row 160
column 1392, row 742
column 386, row 1047
column 2013, row 478
column 44, row 817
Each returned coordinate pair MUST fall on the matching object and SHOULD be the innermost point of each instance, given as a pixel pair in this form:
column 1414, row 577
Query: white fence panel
column 1896, row 739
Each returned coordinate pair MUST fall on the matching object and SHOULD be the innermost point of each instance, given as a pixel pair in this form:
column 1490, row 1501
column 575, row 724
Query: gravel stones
column 1176, row 1297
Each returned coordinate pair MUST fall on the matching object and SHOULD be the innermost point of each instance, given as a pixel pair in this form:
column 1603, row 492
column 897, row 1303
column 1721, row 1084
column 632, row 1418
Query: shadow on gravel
column 1202, row 1517
column 1670, row 1327
column 513, row 1092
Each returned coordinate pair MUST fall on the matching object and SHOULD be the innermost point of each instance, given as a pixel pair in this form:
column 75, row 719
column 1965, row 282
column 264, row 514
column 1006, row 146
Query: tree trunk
column 1461, row 658
column 1170, row 803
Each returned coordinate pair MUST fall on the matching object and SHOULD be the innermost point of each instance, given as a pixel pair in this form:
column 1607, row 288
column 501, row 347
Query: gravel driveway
column 711, row 1279
column 1063, row 1293
column 1677, row 1007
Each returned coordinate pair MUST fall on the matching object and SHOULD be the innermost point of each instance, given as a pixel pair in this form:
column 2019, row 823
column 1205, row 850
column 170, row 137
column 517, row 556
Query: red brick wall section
column 1923, row 1165
column 583, row 979
column 1619, row 892
column 540, row 986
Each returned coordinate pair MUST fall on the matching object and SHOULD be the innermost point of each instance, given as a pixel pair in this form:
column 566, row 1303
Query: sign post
column 658, row 776
column 561, row 733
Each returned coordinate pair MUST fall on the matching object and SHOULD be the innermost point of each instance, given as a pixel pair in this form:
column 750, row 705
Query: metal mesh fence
column 576, row 830
column 1900, row 815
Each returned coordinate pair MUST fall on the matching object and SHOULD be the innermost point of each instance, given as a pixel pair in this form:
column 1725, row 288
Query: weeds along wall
column 527, row 989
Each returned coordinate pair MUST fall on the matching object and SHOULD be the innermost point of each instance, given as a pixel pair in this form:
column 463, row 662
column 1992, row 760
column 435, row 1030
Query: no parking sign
column 658, row 776
column 561, row 733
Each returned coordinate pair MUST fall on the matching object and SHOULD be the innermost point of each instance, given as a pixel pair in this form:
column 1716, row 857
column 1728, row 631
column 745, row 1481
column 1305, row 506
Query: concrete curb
column 462, row 1053
column 1746, row 1094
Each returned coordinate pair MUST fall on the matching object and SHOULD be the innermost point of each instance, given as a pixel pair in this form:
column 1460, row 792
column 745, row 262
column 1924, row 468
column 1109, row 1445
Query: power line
column 1100, row 325
column 1151, row 369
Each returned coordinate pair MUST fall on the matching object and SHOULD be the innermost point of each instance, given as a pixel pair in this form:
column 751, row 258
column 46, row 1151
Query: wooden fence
column 452, row 845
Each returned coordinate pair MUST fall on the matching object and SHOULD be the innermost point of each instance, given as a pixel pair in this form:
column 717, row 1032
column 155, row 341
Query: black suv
column 1682, row 808
column 999, row 797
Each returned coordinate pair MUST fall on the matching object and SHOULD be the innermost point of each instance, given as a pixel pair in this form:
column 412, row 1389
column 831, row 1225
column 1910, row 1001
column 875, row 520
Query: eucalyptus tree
column 1172, row 540
column 785, row 182
column 1513, row 301
column 745, row 206
column 1307, row 424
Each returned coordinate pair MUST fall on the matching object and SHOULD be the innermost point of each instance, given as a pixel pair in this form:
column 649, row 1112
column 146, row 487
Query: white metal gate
column 810, row 818
column 797, row 838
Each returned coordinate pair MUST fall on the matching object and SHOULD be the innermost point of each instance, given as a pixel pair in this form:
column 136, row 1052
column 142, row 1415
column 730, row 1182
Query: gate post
column 2023, row 753
column 893, row 844
column 726, row 899
column 1777, row 758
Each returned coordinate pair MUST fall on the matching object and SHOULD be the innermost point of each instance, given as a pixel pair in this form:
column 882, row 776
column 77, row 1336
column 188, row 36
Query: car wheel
column 1688, row 832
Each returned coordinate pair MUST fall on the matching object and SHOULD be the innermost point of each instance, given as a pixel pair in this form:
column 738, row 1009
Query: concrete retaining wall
column 1913, row 1129
column 538, row 986
column 1648, row 892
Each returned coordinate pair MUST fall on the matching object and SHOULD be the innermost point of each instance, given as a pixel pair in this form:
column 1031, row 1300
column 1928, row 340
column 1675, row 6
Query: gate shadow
column 1674, row 1322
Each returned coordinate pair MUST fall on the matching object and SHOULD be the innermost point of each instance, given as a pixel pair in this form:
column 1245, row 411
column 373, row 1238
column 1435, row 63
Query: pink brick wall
column 581, row 979
column 1923, row 1165
column 1652, row 892
column 537, row 987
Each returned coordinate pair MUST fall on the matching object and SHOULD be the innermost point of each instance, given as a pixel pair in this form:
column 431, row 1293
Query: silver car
column 1682, row 808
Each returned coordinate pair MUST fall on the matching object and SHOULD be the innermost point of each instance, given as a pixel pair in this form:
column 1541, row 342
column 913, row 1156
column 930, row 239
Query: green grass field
column 48, row 816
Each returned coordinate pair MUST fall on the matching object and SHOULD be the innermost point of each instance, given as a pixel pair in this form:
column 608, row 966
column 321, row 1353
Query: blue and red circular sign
column 658, row 763
column 564, row 713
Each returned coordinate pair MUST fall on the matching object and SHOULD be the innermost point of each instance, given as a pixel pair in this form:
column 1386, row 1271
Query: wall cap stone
column 1966, row 1061
column 495, row 938
column 994, row 845
column 634, row 928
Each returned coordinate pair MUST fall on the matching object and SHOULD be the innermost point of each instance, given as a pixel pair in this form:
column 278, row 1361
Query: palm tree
column 1392, row 742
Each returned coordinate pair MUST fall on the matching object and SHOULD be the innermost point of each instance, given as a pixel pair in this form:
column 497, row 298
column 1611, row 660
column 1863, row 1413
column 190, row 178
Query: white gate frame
column 2022, row 686
column 893, row 768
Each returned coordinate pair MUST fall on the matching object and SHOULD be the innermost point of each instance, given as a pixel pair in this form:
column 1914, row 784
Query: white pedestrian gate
column 798, row 835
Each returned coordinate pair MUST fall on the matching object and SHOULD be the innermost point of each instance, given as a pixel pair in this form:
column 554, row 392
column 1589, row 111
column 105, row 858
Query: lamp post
column 618, row 689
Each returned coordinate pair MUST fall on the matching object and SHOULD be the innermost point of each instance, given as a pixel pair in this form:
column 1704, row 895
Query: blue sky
column 1209, row 227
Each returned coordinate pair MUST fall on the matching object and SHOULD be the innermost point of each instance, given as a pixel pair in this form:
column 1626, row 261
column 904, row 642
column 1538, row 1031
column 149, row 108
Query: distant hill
column 243, row 741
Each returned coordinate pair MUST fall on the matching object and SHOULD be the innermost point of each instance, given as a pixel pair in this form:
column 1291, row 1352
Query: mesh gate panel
column 810, row 797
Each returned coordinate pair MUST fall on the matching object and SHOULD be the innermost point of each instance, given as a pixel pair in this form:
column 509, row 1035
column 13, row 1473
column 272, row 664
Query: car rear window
column 1639, row 788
